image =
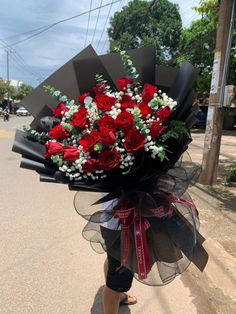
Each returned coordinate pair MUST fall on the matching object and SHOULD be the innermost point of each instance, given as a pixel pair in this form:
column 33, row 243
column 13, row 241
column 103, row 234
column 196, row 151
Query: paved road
column 47, row 267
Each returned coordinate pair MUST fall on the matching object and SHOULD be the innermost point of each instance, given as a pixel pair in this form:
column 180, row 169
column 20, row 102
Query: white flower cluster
column 74, row 170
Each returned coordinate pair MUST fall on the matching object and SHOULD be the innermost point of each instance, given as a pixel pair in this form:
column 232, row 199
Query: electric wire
column 86, row 36
column 106, row 41
column 14, row 55
column 108, row 15
column 24, row 33
column 20, row 68
column 98, row 16
column 190, row 20
column 59, row 22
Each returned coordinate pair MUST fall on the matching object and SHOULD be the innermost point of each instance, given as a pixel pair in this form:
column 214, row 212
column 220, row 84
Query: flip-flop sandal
column 126, row 300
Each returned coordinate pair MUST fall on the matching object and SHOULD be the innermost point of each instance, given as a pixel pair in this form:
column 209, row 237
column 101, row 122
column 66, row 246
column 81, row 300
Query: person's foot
column 126, row 299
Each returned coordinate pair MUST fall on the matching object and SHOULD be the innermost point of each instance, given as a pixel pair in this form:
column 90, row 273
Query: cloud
column 46, row 52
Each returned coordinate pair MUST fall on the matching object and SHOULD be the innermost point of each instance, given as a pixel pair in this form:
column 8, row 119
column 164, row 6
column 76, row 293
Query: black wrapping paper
column 173, row 238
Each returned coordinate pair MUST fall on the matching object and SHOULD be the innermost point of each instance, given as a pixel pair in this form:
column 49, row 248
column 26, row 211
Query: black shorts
column 118, row 280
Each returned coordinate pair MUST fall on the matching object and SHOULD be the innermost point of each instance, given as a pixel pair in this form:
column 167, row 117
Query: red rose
column 89, row 140
column 144, row 109
column 126, row 98
column 59, row 108
column 108, row 137
column 104, row 102
column 125, row 105
column 125, row 121
column 133, row 141
column 148, row 92
column 99, row 89
column 91, row 165
column 81, row 98
column 163, row 114
column 123, row 82
column 80, row 118
column 107, row 123
column 53, row 148
column 70, row 153
column 156, row 129
column 58, row 132
column 109, row 159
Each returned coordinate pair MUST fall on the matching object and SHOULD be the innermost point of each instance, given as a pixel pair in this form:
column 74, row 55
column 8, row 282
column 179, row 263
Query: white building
column 14, row 83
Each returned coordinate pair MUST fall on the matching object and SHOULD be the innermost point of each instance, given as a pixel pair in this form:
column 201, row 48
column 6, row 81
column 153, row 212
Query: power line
column 97, row 22
column 24, row 33
column 90, row 7
column 105, row 42
column 189, row 21
column 24, row 66
column 108, row 15
column 19, row 59
column 59, row 22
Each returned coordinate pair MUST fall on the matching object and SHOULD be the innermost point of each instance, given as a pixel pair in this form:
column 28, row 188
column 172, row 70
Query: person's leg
column 111, row 301
column 117, row 282
column 111, row 298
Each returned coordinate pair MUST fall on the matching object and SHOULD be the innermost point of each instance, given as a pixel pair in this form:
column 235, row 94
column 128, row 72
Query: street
column 46, row 265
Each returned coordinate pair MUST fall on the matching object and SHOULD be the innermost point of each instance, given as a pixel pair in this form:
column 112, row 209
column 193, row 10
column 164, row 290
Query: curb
column 220, row 269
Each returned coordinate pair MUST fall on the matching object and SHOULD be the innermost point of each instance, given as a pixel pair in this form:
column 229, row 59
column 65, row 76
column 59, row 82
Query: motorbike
column 6, row 116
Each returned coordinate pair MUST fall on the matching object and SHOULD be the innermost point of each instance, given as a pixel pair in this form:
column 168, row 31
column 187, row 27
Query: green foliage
column 103, row 83
column 175, row 128
column 162, row 154
column 141, row 23
column 48, row 89
column 128, row 65
column 5, row 88
column 22, row 92
column 231, row 177
column 56, row 160
column 67, row 126
column 198, row 44
column 197, row 47
column 41, row 137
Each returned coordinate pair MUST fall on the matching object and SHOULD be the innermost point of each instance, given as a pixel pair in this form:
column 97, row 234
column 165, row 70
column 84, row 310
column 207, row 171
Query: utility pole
column 7, row 51
column 215, row 114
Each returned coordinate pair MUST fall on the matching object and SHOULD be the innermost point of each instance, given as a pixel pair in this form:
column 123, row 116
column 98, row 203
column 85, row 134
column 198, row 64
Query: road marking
column 7, row 134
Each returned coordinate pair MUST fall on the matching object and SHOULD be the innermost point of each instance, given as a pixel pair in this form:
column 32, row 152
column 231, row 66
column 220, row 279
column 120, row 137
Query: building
column 14, row 83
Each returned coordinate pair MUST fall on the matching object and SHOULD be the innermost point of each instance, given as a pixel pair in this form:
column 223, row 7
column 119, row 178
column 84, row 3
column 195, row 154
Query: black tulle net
column 152, row 199
column 163, row 202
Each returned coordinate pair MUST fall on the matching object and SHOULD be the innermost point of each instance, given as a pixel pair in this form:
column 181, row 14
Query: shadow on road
column 226, row 199
column 97, row 304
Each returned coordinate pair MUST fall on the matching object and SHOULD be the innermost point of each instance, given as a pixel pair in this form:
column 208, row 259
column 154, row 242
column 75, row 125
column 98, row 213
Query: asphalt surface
column 46, row 265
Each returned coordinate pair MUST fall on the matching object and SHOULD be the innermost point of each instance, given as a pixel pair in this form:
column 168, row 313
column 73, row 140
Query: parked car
column 22, row 112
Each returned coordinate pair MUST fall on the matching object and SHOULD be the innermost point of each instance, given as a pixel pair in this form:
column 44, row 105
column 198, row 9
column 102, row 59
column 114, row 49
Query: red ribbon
column 141, row 246
column 175, row 199
column 128, row 216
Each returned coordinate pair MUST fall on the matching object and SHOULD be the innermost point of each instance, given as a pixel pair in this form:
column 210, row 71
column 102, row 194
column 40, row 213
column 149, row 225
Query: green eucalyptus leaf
column 88, row 100
column 71, row 103
column 127, row 171
column 67, row 126
column 63, row 98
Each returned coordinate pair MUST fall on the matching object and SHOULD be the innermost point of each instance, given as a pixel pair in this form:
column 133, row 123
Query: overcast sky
column 35, row 59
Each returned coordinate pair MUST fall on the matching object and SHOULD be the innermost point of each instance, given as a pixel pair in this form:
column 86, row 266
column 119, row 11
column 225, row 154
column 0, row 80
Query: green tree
column 198, row 44
column 5, row 88
column 22, row 91
column 141, row 23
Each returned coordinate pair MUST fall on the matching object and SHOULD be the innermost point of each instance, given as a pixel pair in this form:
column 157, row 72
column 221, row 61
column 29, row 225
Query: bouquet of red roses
column 100, row 133
column 124, row 138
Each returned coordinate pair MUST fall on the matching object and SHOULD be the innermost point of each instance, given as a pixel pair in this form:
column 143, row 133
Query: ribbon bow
column 128, row 216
